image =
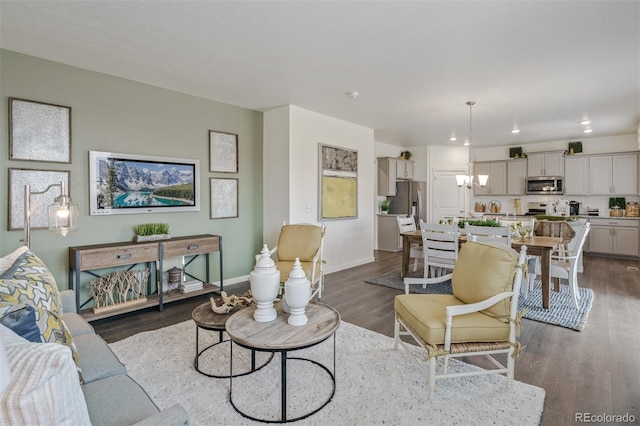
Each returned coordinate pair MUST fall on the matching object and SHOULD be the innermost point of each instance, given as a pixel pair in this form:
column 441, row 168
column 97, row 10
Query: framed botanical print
column 223, row 152
column 39, row 131
column 224, row 198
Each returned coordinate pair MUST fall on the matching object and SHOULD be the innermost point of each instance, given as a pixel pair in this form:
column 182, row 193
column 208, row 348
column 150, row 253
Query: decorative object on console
column 338, row 183
column 297, row 291
column 224, row 198
column 152, row 232
column 467, row 180
column 129, row 183
column 62, row 214
column 223, row 152
column 119, row 284
column 384, row 206
column 39, row 131
column 265, row 285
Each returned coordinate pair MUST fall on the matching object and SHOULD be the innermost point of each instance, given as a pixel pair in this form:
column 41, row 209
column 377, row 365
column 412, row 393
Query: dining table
column 541, row 246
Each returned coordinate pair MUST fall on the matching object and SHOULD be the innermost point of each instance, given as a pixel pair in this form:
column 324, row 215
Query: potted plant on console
column 384, row 207
column 152, row 232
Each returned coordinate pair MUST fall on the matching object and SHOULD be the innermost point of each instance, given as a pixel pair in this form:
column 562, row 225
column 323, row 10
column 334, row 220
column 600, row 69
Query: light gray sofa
column 112, row 397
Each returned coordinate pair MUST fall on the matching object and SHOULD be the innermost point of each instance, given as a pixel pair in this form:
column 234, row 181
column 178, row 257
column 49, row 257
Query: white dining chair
column 565, row 263
column 440, row 248
column 408, row 224
column 488, row 234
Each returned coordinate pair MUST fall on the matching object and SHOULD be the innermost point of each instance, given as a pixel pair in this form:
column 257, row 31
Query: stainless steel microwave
column 545, row 185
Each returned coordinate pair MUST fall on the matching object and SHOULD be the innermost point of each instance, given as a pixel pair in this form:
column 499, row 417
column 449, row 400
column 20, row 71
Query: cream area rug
column 375, row 384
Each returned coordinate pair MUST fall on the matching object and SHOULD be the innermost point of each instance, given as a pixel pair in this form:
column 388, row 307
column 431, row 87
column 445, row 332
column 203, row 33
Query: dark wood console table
column 89, row 259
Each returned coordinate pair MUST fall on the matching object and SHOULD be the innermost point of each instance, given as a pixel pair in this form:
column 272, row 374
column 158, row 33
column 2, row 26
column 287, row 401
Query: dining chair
column 440, row 249
column 480, row 318
column 408, row 224
column 488, row 234
column 565, row 263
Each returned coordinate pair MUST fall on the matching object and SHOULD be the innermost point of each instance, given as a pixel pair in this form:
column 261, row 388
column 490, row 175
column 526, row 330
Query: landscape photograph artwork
column 135, row 184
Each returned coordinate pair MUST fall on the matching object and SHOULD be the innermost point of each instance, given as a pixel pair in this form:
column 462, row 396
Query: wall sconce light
column 62, row 214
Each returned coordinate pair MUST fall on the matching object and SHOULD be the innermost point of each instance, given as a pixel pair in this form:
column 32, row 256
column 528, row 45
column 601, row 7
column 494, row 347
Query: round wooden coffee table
column 206, row 319
column 279, row 336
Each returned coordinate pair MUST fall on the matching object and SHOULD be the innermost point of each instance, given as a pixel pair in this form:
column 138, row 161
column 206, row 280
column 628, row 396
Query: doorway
column 448, row 198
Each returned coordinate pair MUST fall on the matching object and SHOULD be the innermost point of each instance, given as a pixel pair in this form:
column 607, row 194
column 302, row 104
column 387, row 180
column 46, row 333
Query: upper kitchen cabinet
column 516, row 177
column 613, row 174
column 389, row 171
column 497, row 183
column 576, row 180
column 545, row 163
column 404, row 169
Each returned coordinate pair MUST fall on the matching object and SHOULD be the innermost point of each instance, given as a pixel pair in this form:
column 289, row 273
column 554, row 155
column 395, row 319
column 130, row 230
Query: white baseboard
column 329, row 270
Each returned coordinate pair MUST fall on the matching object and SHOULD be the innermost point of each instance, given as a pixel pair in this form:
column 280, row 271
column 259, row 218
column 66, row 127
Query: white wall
column 348, row 242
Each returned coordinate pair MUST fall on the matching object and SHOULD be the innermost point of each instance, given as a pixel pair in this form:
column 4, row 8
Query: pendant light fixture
column 467, row 180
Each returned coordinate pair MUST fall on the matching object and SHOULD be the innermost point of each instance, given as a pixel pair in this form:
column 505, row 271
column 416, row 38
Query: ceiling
column 540, row 66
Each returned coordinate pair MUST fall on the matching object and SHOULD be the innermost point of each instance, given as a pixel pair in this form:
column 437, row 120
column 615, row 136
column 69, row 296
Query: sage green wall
column 119, row 115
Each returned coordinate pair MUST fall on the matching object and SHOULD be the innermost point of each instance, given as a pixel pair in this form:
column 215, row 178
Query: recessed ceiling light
column 514, row 131
column 588, row 130
column 453, row 138
column 354, row 94
column 585, row 122
column 466, row 143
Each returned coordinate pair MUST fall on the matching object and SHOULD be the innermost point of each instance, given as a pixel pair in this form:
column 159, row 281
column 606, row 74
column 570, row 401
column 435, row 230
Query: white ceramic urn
column 297, row 290
column 265, row 284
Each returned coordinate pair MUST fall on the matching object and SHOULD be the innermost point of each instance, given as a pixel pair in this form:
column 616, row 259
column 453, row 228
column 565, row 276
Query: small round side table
column 206, row 319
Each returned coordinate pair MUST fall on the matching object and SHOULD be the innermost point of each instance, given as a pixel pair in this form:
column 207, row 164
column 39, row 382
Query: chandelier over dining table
column 467, row 179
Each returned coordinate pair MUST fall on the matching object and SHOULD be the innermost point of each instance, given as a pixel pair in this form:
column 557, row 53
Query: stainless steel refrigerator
column 410, row 198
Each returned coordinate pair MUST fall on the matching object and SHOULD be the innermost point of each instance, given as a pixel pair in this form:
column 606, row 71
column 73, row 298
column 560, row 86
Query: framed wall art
column 224, row 198
column 131, row 183
column 223, row 152
column 39, row 180
column 338, row 183
column 39, row 131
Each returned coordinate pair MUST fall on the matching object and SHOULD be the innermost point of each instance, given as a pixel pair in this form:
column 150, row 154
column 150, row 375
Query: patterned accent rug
column 562, row 312
column 375, row 384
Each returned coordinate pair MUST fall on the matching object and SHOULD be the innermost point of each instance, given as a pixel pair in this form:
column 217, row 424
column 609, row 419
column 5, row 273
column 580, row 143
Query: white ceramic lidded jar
column 265, row 284
column 297, row 290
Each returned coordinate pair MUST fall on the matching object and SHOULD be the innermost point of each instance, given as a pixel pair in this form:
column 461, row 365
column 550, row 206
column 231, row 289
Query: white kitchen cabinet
column 404, row 169
column 613, row 174
column 391, row 170
column 387, row 176
column 576, row 180
column 497, row 183
column 516, row 177
column 614, row 236
column 545, row 163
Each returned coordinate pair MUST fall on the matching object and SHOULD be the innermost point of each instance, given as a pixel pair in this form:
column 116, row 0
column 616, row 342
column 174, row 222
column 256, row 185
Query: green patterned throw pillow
column 43, row 290
column 30, row 282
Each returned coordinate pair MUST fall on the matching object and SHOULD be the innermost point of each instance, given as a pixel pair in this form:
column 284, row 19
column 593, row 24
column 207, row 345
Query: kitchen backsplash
column 586, row 202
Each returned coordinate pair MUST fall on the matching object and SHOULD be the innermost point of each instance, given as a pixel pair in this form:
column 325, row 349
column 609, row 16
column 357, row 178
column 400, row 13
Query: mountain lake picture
column 131, row 184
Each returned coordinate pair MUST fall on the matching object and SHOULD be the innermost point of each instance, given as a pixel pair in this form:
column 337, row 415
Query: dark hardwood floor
column 594, row 371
